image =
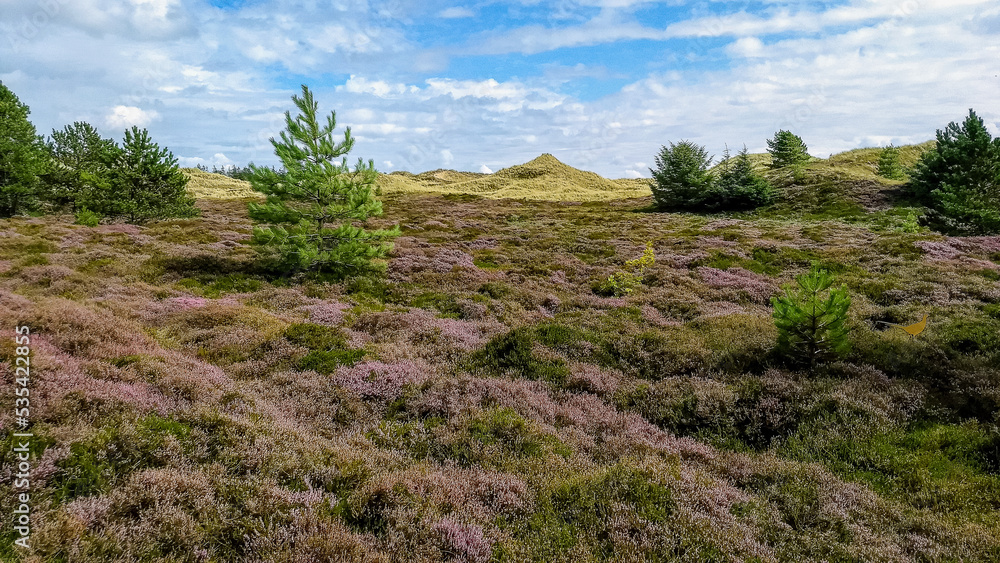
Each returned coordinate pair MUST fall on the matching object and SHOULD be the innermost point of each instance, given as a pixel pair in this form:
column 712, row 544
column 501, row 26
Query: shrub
column 625, row 281
column 513, row 353
column 682, row 179
column 313, row 193
column 888, row 163
column 811, row 322
column 787, row 149
column 740, row 186
column 87, row 218
column 959, row 180
column 22, row 157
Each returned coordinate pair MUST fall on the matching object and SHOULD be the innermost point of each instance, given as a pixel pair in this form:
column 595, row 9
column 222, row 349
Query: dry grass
column 544, row 178
column 205, row 185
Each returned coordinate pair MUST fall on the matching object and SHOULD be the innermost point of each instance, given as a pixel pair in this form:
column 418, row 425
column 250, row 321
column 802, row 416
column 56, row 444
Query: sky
column 479, row 86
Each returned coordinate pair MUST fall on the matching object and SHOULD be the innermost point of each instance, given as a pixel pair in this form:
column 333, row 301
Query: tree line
column 958, row 181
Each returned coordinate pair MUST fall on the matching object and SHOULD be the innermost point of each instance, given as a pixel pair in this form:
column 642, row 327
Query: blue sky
column 601, row 84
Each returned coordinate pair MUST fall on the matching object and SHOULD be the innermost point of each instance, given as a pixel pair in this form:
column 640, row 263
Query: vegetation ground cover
column 480, row 402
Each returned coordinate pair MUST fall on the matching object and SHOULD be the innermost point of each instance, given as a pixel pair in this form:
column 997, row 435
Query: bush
column 313, row 193
column 959, row 180
column 787, row 149
column 888, row 163
column 811, row 322
column 22, row 157
column 682, row 179
column 625, row 281
column 740, row 186
column 87, row 218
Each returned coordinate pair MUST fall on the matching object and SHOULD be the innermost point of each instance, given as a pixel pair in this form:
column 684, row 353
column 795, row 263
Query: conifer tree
column 888, row 163
column 682, row 179
column 811, row 321
column 144, row 183
column 22, row 157
column 787, row 149
column 740, row 185
column 313, row 204
column 959, row 180
column 81, row 161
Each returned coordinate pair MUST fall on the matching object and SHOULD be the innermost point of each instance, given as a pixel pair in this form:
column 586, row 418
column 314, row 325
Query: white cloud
column 485, row 169
column 456, row 12
column 388, row 164
column 630, row 173
column 447, row 157
column 124, row 117
column 217, row 160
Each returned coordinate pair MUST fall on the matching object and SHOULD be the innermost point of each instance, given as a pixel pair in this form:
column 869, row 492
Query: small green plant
column 811, row 321
column 888, row 163
column 787, row 149
column 625, row 281
column 87, row 218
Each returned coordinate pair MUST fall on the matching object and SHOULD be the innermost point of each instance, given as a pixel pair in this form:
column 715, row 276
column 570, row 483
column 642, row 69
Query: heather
column 479, row 401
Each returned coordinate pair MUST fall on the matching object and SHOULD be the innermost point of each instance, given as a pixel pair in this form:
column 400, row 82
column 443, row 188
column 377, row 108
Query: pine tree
column 682, row 179
column 888, row 163
column 22, row 157
column 81, row 161
column 312, row 205
column 787, row 149
column 959, row 180
column 740, row 185
column 144, row 183
column 811, row 322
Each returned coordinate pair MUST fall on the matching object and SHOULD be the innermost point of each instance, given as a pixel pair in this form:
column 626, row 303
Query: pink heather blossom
column 464, row 541
column 482, row 244
column 380, row 380
column 48, row 272
column 653, row 316
column 442, row 261
column 942, row 250
column 758, row 288
column 327, row 313
column 681, row 260
column 186, row 302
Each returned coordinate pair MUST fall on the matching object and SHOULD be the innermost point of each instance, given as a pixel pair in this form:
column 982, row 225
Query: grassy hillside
column 206, row 185
column 481, row 403
column 544, row 178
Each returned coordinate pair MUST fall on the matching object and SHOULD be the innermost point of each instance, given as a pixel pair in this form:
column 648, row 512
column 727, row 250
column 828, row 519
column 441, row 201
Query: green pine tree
column 313, row 204
column 787, row 149
column 144, row 183
column 888, row 163
column 959, row 180
column 81, row 166
column 22, row 157
column 811, row 321
column 682, row 179
column 740, row 185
